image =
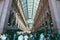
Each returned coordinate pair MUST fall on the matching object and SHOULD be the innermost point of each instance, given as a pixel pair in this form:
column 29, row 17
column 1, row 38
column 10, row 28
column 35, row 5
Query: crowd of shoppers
column 31, row 36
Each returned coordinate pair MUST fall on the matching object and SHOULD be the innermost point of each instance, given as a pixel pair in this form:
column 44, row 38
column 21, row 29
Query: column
column 5, row 6
column 55, row 12
column 1, row 7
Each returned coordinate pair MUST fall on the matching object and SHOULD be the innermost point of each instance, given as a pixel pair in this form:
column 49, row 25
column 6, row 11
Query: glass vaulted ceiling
column 29, row 9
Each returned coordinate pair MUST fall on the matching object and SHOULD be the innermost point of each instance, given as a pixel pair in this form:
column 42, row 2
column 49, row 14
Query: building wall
column 54, row 6
column 5, row 7
column 20, row 23
column 39, row 15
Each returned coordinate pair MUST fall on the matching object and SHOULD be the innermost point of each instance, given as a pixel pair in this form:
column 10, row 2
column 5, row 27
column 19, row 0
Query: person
column 20, row 37
column 41, row 37
column 33, row 37
column 47, row 38
column 14, row 37
column 52, row 37
column 0, row 36
column 25, row 37
column 3, row 37
column 58, row 36
column 7, row 37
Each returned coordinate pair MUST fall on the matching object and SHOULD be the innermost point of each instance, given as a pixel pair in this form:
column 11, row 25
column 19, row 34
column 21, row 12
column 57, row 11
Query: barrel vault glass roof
column 29, row 9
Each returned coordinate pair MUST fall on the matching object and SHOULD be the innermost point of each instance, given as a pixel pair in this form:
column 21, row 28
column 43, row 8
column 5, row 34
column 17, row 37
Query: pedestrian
column 26, row 37
column 0, row 36
column 58, row 36
column 7, row 37
column 20, row 37
column 41, row 36
column 47, row 38
column 33, row 37
column 3, row 37
column 14, row 36
column 52, row 37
